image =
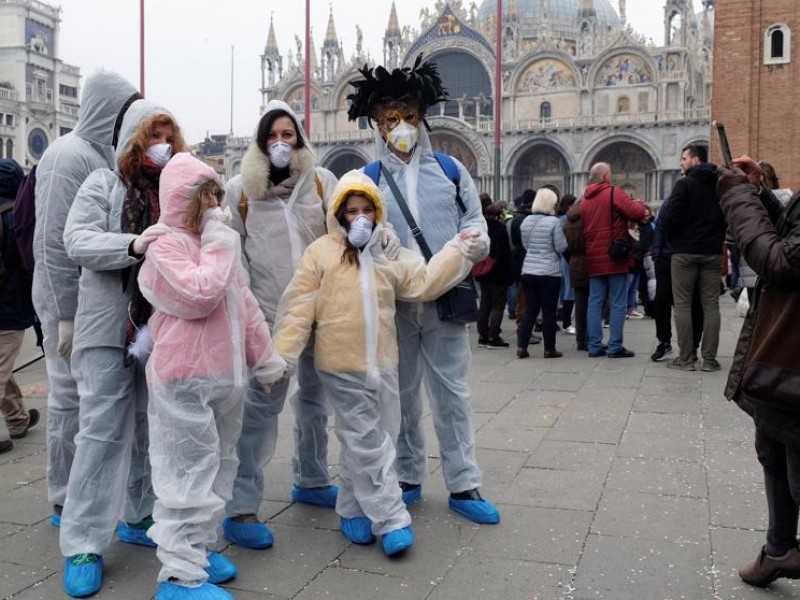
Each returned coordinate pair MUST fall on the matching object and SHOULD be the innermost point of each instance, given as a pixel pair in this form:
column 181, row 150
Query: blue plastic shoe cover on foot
column 248, row 535
column 134, row 535
column 55, row 521
column 83, row 574
column 398, row 540
column 477, row 511
column 219, row 568
column 168, row 590
column 318, row 496
column 358, row 530
column 412, row 496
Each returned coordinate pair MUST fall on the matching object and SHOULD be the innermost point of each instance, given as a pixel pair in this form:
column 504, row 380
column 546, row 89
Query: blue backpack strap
column 373, row 171
column 451, row 170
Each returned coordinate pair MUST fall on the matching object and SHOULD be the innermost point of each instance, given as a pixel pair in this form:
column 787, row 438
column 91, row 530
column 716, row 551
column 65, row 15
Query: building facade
column 38, row 91
column 755, row 79
column 578, row 86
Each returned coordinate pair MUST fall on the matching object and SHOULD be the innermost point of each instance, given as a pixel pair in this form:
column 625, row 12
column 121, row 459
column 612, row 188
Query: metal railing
column 68, row 109
column 34, row 94
column 7, row 94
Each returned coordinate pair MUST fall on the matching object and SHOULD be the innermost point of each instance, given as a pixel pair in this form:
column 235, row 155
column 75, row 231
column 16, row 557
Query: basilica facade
column 578, row 86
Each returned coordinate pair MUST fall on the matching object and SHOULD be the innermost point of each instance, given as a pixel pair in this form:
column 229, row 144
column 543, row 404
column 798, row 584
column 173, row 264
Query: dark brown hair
column 130, row 163
column 350, row 254
column 768, row 175
column 265, row 126
column 194, row 214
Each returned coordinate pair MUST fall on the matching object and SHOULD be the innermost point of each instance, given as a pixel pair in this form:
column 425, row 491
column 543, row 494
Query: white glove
column 66, row 329
column 224, row 216
column 390, row 242
column 148, row 236
column 473, row 245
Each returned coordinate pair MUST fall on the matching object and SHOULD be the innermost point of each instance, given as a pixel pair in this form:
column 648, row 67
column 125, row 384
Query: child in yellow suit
column 348, row 288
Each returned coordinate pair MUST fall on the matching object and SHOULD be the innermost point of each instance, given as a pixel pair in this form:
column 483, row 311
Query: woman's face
column 161, row 134
column 358, row 205
column 282, row 131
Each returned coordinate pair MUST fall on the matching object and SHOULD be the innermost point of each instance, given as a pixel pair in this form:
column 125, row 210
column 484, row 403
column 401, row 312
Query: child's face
column 358, row 205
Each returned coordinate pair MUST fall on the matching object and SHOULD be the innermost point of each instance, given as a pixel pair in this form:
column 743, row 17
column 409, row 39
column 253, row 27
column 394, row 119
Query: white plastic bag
column 743, row 304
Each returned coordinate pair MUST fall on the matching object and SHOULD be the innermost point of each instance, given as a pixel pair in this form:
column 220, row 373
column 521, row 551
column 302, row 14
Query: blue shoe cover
column 412, row 496
column 55, row 520
column 477, row 511
column 219, row 568
column 318, row 496
column 398, row 540
column 358, row 530
column 173, row 591
column 83, row 574
column 248, row 535
column 133, row 535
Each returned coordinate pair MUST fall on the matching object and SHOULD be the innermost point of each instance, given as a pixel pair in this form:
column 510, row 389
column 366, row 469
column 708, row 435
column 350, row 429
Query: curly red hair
column 130, row 163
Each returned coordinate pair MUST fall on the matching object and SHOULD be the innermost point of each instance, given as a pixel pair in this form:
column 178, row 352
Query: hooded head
column 355, row 194
column 11, row 176
column 179, row 188
column 106, row 97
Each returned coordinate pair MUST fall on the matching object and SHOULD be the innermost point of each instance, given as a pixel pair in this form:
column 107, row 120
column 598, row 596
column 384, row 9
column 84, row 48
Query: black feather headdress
column 420, row 83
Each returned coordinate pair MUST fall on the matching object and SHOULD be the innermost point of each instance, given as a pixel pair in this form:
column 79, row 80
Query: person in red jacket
column 605, row 212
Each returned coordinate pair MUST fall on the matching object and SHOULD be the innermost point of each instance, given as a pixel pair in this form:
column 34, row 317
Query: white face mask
column 360, row 231
column 160, row 153
column 403, row 137
column 280, row 154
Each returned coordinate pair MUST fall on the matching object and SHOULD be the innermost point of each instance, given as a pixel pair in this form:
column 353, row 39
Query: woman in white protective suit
column 111, row 223
column 346, row 288
column 209, row 334
column 278, row 205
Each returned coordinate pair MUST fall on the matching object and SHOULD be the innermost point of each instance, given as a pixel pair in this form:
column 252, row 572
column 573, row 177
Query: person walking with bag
column 494, row 280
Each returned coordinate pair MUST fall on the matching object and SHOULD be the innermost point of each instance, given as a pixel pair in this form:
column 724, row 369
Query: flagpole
column 141, row 47
column 498, row 99
column 307, row 82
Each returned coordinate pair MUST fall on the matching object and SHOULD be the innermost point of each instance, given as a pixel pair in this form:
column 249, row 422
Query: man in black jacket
column 695, row 227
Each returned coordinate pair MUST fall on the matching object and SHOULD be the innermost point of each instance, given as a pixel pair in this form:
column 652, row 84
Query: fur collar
column 256, row 169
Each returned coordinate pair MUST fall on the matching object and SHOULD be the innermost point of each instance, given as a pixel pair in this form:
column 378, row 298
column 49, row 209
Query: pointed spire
column 272, row 42
column 330, row 35
column 393, row 28
column 313, row 52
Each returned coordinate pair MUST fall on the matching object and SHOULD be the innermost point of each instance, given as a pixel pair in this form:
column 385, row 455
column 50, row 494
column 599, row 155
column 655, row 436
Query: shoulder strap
column 320, row 191
column 373, row 171
column 450, row 169
column 243, row 208
column 415, row 230
column 611, row 205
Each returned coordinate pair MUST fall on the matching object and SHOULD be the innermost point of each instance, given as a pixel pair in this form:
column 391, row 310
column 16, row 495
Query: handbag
column 620, row 248
column 481, row 268
column 460, row 304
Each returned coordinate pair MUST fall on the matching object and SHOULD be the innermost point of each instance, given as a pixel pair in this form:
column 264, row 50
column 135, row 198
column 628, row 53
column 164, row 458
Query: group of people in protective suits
column 176, row 309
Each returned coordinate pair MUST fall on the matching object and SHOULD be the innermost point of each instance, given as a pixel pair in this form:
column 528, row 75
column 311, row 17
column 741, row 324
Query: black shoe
column 482, row 341
column 512, row 315
column 535, row 339
column 623, row 353
column 497, row 343
column 601, row 352
column 33, row 419
column 661, row 352
column 6, row 446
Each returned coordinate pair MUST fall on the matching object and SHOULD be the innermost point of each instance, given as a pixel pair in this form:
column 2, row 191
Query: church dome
column 560, row 15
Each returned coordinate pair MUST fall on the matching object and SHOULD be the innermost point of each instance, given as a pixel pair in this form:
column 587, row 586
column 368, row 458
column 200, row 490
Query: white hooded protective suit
column 61, row 171
column 111, row 446
column 278, row 226
column 440, row 349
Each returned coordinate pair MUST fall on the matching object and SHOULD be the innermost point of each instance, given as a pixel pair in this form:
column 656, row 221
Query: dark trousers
column 541, row 292
column 490, row 311
column 782, row 482
column 662, row 305
column 581, row 311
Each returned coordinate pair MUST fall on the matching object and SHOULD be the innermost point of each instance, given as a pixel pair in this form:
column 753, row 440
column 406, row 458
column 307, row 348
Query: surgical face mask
column 360, row 231
column 160, row 153
column 280, row 154
column 403, row 138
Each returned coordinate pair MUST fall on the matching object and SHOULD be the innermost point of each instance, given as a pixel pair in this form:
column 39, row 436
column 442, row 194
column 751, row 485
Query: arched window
column 9, row 148
column 777, row 44
column 545, row 111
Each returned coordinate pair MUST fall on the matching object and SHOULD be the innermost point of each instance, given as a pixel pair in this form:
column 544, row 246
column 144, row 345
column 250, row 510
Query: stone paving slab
column 615, row 479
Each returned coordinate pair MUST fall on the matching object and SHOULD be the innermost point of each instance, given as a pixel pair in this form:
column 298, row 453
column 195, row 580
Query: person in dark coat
column 764, row 379
column 494, row 284
column 16, row 313
column 578, row 273
column 518, row 251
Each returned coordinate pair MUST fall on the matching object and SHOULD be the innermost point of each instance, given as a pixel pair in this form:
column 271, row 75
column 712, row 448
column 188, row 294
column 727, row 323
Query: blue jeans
column 633, row 290
column 616, row 288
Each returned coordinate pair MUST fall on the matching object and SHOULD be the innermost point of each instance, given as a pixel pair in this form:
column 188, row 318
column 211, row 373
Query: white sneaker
column 632, row 314
column 570, row 330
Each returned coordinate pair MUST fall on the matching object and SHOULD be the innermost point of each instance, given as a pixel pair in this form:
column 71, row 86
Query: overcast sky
column 188, row 46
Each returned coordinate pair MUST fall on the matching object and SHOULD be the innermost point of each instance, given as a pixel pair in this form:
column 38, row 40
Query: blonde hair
column 545, row 202
column 194, row 213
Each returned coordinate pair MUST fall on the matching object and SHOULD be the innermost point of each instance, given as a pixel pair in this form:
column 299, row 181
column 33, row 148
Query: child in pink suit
column 209, row 337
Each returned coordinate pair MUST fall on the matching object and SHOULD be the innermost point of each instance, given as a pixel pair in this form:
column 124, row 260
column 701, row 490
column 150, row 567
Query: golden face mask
column 395, row 113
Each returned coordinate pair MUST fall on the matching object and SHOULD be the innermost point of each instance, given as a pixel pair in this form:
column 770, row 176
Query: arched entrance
column 539, row 165
column 457, row 148
column 632, row 168
column 344, row 162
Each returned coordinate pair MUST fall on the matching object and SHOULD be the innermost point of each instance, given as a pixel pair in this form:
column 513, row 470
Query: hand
column 749, row 167
column 148, row 236
column 214, row 214
column 473, row 245
column 390, row 242
column 66, row 329
column 727, row 179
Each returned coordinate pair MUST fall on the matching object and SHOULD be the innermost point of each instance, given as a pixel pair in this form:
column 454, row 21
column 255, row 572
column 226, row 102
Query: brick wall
column 759, row 104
